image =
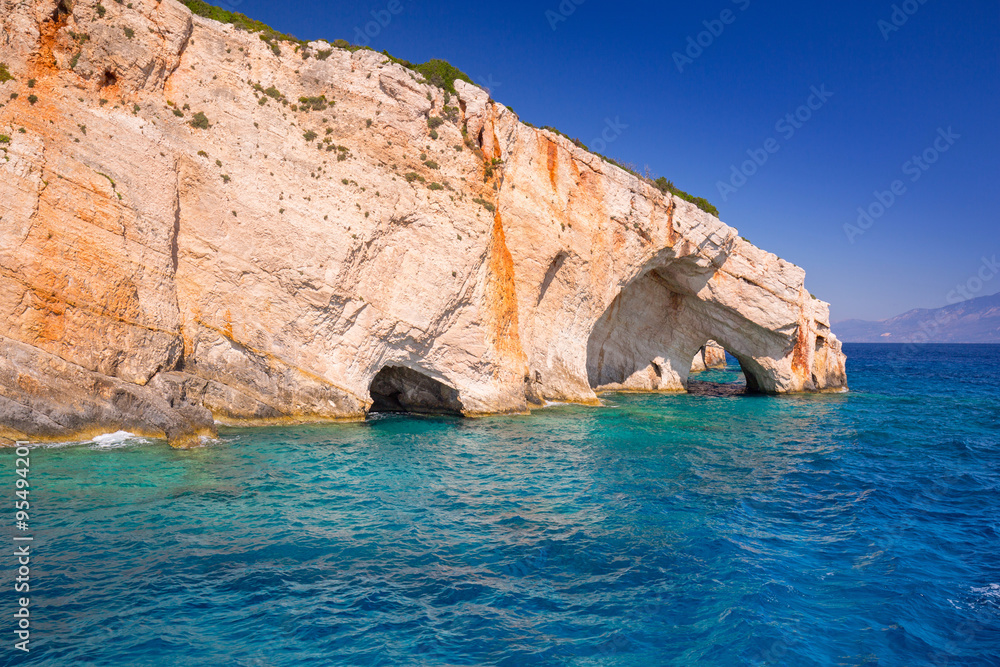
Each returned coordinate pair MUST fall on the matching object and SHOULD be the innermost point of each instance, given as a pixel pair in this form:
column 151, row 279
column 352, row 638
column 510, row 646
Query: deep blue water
column 839, row 529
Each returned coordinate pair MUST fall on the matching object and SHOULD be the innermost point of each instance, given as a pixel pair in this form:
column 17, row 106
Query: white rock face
column 157, row 275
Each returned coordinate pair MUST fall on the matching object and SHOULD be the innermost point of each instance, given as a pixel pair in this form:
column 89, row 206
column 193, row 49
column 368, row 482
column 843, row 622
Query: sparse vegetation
column 31, row 83
column 324, row 54
column 414, row 176
column 202, row 153
column 434, row 134
column 101, row 11
column 225, row 178
column 4, row 139
column 431, row 164
column 75, row 59
column 178, row 113
column 485, row 204
column 5, row 74
column 434, row 122
column 313, row 103
column 32, row 99
column 435, row 186
column 129, row 33
column 310, row 135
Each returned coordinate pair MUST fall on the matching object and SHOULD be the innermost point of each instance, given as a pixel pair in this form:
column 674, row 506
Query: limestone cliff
column 200, row 226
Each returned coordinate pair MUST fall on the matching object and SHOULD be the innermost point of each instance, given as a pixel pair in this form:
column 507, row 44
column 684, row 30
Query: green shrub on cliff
column 485, row 204
column 314, row 103
column 440, row 73
column 200, row 121
column 236, row 19
column 5, row 75
column 665, row 186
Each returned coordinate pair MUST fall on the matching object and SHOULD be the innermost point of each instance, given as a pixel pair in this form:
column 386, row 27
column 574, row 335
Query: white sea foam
column 990, row 594
column 117, row 439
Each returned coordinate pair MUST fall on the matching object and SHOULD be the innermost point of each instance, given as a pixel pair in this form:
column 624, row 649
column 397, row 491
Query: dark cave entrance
column 401, row 389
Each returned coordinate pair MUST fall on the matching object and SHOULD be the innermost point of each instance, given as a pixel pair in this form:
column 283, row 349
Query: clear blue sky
column 890, row 96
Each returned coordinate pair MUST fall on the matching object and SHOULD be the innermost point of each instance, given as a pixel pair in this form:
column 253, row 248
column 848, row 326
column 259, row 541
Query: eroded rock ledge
column 160, row 276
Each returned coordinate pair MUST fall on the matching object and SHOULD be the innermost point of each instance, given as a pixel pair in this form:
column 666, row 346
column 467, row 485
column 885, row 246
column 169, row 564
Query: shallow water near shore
column 836, row 529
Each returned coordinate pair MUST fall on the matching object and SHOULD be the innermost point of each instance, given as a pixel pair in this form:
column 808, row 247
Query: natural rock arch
column 710, row 355
column 648, row 336
column 402, row 389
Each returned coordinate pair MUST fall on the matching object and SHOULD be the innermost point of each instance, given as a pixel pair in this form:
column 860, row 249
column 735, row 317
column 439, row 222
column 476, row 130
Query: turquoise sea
column 709, row 529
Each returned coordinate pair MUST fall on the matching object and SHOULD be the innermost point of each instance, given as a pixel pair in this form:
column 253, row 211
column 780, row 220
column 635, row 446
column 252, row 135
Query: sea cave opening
column 716, row 372
column 655, row 334
column 403, row 390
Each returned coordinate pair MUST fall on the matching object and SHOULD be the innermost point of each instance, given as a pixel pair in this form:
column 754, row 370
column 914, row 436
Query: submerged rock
column 201, row 226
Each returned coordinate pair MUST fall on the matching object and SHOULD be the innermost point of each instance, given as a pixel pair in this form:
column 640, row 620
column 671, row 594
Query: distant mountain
column 973, row 321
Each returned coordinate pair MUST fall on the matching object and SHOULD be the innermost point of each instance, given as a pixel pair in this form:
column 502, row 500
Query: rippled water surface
column 716, row 529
